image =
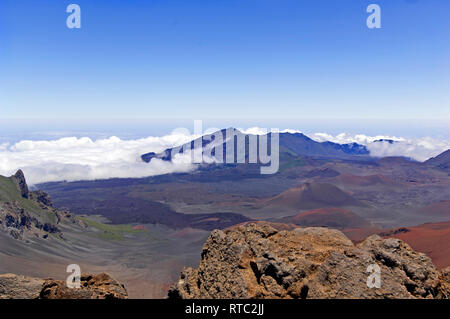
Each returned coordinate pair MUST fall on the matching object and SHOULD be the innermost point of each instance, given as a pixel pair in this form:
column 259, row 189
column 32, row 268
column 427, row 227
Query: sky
column 145, row 67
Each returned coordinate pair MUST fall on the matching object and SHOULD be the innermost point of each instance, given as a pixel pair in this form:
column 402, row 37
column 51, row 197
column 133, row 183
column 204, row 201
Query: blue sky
column 227, row 61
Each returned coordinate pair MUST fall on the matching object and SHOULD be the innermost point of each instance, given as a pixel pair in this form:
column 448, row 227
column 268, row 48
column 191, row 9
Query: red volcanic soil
column 432, row 239
column 441, row 208
column 314, row 195
column 368, row 180
column 139, row 227
column 327, row 217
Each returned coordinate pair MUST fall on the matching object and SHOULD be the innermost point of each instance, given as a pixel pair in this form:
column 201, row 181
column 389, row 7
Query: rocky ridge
column 258, row 261
column 31, row 214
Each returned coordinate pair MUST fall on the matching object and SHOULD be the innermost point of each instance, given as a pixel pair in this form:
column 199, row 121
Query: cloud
column 261, row 131
column 73, row 158
column 419, row 149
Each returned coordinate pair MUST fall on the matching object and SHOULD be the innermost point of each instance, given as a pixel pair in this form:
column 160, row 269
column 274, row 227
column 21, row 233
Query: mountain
column 296, row 144
column 313, row 195
column 442, row 161
column 256, row 261
column 301, row 144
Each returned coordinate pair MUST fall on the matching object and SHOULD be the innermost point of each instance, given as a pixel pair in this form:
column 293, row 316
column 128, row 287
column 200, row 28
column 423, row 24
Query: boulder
column 258, row 261
column 100, row 286
column 19, row 287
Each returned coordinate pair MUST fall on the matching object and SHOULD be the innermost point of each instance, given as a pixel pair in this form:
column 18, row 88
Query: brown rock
column 257, row 261
column 444, row 287
column 21, row 224
column 19, row 287
column 100, row 286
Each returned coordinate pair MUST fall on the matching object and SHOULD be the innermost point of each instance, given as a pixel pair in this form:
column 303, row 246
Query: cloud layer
column 419, row 149
column 74, row 158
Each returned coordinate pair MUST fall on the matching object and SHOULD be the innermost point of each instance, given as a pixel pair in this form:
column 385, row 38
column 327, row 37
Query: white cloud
column 419, row 149
column 261, row 131
column 74, row 158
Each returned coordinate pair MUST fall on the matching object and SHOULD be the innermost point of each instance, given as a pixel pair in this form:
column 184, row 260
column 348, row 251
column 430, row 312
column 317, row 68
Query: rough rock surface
column 19, row 223
column 257, row 261
column 41, row 197
column 19, row 180
column 100, row 286
column 19, row 287
column 444, row 287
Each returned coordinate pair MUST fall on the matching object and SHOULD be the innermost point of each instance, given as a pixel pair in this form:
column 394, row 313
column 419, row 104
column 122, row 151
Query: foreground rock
column 257, row 261
column 444, row 287
column 100, row 286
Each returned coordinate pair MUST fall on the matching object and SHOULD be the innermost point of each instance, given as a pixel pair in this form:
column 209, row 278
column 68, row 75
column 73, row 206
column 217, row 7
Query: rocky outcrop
column 19, row 180
column 100, row 286
column 19, row 287
column 41, row 197
column 20, row 224
column 33, row 215
column 444, row 286
column 258, row 261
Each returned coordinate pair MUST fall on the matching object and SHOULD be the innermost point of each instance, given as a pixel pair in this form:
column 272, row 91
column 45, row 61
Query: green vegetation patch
column 294, row 163
column 114, row 232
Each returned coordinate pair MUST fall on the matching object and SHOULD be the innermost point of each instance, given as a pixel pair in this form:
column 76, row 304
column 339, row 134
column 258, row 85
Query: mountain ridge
column 441, row 161
column 295, row 143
